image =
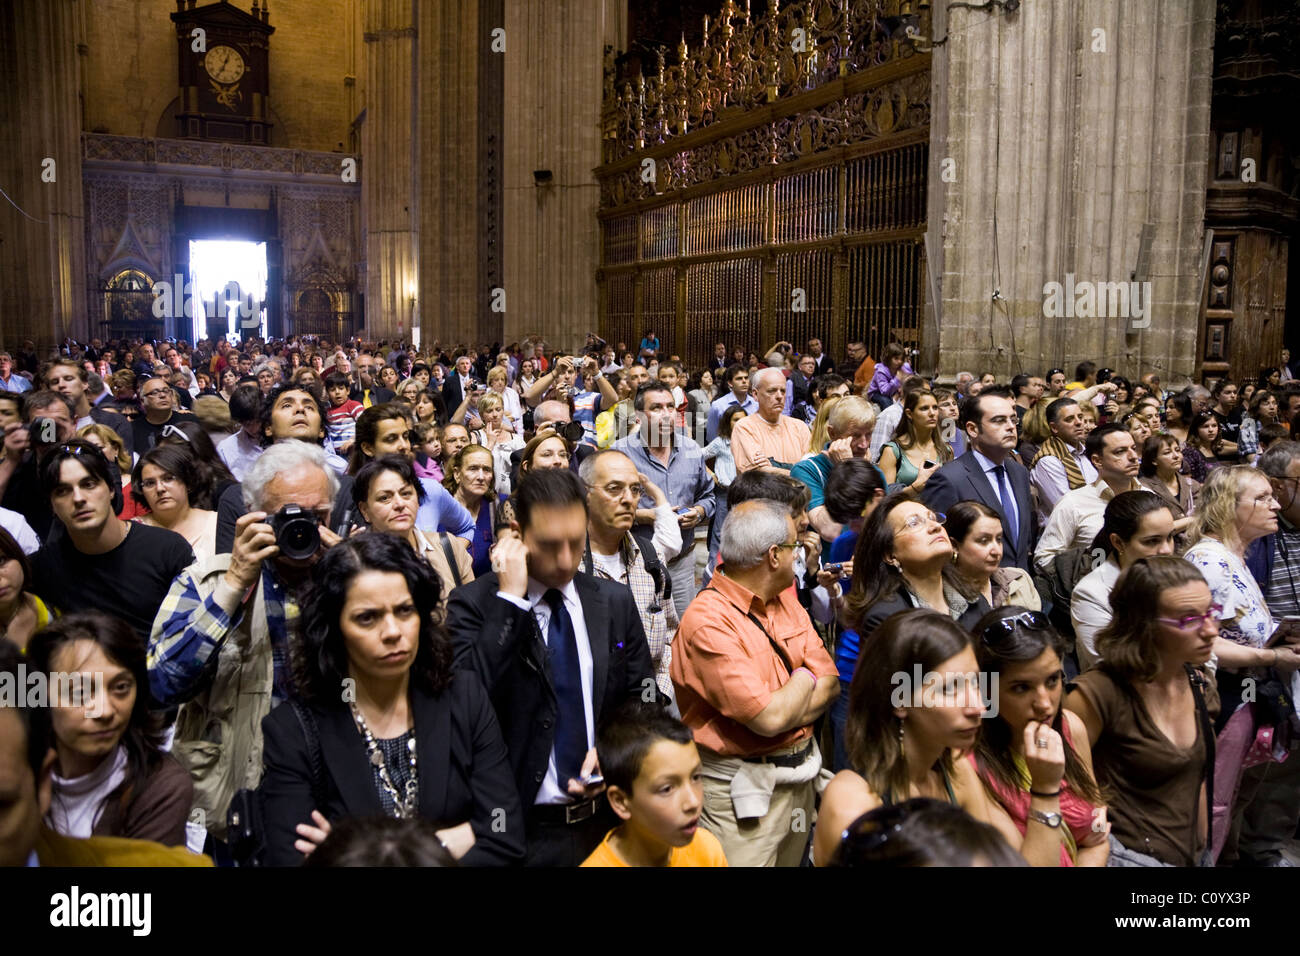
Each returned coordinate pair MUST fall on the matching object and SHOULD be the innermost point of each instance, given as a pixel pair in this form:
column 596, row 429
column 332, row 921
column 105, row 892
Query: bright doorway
column 233, row 274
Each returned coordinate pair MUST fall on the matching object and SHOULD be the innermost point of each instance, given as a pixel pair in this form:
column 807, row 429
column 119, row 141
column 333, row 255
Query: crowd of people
column 304, row 602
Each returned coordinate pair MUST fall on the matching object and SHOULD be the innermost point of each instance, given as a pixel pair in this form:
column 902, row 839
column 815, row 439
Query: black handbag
column 245, row 818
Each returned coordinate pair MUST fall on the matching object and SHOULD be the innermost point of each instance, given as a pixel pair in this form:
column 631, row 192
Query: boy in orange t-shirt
column 655, row 786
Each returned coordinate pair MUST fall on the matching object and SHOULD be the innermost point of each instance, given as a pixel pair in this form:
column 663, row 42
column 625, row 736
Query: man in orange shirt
column 751, row 676
column 859, row 366
column 769, row 440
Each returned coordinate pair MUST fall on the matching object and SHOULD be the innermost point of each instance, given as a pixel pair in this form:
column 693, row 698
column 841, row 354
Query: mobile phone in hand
column 833, row 568
column 928, row 463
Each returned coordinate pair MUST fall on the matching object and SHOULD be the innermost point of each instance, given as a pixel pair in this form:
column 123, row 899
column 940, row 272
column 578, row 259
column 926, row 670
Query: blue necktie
column 1004, row 491
column 566, row 675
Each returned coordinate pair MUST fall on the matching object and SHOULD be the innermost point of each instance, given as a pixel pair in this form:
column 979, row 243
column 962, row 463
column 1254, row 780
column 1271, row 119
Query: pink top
column 1076, row 812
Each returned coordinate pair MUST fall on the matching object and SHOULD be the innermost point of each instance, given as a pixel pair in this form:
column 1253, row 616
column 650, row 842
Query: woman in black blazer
column 397, row 733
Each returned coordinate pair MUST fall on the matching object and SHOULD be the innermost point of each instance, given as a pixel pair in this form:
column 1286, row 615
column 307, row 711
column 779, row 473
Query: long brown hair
column 1127, row 644
column 995, row 649
column 905, row 434
column 872, row 730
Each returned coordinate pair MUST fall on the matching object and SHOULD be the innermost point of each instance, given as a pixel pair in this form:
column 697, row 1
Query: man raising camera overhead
column 220, row 642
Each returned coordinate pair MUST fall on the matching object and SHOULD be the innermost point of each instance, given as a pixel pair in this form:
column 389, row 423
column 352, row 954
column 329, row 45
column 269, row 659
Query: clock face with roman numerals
column 224, row 64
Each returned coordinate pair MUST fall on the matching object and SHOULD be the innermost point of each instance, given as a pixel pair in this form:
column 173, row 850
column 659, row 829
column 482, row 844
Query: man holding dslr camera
column 220, row 642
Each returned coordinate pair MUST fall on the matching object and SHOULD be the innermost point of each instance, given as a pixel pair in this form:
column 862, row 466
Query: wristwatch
column 1050, row 818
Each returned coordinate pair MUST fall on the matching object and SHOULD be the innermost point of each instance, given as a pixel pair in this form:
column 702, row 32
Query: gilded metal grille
column 619, row 240
column 783, row 221
column 726, row 221
column 883, row 300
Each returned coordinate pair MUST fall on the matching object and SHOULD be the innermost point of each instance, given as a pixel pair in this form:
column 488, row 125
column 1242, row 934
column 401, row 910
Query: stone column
column 553, row 83
column 452, row 303
column 1067, row 127
column 388, row 168
column 42, row 248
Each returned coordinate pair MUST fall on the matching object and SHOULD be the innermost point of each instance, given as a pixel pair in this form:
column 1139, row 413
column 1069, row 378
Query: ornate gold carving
column 747, row 61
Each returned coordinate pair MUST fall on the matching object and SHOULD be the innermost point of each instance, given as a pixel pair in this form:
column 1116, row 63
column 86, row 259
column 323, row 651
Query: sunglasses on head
column 1034, row 620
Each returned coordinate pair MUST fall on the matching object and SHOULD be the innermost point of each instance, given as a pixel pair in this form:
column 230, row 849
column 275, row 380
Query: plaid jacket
column 219, row 727
column 658, row 613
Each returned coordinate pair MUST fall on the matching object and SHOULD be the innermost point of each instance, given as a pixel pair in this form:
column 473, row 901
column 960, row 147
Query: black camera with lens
column 297, row 532
column 573, row 431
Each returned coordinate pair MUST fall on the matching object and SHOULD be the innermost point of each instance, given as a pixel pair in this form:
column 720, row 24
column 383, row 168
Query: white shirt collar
column 537, row 592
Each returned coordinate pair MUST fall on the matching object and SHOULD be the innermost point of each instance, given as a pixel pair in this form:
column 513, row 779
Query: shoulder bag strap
column 780, row 651
column 1207, row 731
column 451, row 557
column 314, row 756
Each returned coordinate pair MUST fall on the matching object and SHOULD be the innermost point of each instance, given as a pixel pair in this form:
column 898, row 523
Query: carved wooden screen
column 770, row 184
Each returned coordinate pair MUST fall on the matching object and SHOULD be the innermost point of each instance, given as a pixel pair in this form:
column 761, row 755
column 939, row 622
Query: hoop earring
column 902, row 746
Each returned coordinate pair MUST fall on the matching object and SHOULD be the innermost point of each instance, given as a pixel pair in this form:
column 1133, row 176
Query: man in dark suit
column 558, row 651
column 368, row 391
column 719, row 362
column 822, row 360
column 459, row 383
column 988, row 473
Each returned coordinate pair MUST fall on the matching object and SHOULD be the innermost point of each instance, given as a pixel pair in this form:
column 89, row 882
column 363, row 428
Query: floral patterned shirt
column 1245, row 617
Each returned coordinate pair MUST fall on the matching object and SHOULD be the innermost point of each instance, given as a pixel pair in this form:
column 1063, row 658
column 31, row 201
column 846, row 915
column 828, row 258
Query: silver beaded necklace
column 404, row 805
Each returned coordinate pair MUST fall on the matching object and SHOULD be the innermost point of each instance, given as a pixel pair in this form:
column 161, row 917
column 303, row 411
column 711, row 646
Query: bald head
column 551, row 411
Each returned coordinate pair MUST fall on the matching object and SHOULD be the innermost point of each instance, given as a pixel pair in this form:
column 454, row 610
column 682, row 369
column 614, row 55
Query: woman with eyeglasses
column 165, row 481
column 1237, row 507
column 1147, row 709
column 1023, row 651
column 922, row 832
column 387, row 494
column 904, row 740
column 903, row 561
column 1137, row 524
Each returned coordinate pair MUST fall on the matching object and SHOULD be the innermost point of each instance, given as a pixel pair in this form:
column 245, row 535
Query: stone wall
column 1059, row 151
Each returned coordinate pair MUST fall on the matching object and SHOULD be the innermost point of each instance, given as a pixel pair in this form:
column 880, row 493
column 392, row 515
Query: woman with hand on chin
column 902, row 740
column 1023, row 651
column 399, row 733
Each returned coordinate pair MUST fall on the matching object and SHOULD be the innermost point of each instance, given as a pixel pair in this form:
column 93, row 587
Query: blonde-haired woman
column 471, row 481
column 819, row 438
column 496, row 438
column 1235, row 507
column 498, row 380
column 114, row 449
